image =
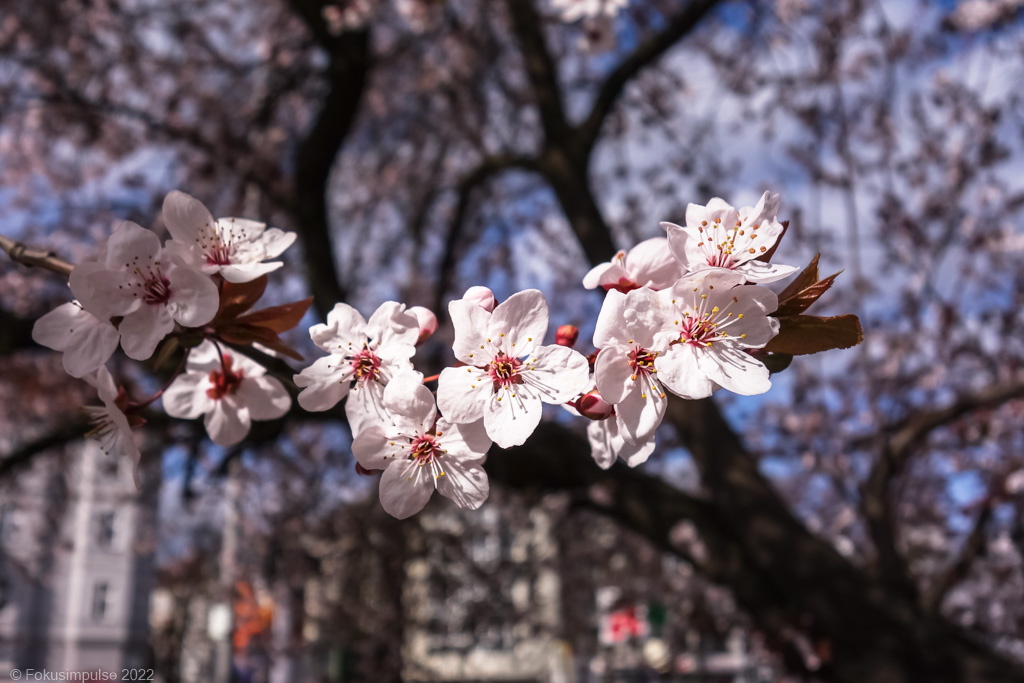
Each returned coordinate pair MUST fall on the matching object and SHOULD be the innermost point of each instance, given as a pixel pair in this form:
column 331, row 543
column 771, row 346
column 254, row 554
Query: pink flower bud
column 592, row 406
column 567, row 335
column 482, row 297
column 427, row 321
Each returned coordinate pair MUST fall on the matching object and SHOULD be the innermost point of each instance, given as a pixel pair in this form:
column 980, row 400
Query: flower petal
column 265, row 397
column 756, row 271
column 735, row 370
column 463, row 482
column 467, row 441
column 186, row 217
column 227, row 423
column 557, row 374
column 275, row 241
column 345, row 331
column 142, row 330
column 462, row 392
column 365, row 406
column 470, row 323
column 641, row 410
column 405, row 395
column 194, row 298
column 522, row 319
column 371, row 448
column 612, row 373
column 652, row 264
column 186, row 398
column 510, row 420
column 130, row 246
column 405, row 488
column 247, row 272
column 324, row 383
column 679, row 373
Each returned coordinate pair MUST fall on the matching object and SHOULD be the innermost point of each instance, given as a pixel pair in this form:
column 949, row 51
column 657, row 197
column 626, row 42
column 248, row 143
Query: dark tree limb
column 649, row 51
column 485, row 171
column 349, row 64
column 897, row 448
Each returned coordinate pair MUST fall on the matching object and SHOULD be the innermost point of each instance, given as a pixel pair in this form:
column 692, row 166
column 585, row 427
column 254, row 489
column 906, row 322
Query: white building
column 76, row 553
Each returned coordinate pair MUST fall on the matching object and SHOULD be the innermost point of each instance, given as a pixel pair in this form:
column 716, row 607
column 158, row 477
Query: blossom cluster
column 686, row 314
column 139, row 292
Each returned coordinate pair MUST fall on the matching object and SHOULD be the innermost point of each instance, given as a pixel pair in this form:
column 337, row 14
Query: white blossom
column 236, row 248
column 230, row 389
column 720, row 236
column 632, row 331
column 150, row 291
column 111, row 427
column 714, row 321
column 365, row 356
column 420, row 452
column 87, row 341
column 508, row 375
column 648, row 264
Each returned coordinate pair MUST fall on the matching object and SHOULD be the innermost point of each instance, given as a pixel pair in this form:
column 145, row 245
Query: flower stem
column 46, row 260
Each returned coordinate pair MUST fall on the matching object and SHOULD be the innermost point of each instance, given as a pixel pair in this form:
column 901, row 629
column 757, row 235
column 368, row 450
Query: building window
column 100, row 597
column 105, row 530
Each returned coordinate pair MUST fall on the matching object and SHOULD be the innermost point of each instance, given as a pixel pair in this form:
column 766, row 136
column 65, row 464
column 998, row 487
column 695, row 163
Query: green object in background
column 656, row 613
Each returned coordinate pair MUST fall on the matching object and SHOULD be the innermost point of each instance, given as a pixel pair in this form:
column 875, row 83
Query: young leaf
column 804, row 334
column 804, row 290
column 237, row 298
column 278, row 318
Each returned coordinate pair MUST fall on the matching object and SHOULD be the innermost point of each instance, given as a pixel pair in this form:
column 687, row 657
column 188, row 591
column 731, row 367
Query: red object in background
column 623, row 624
column 252, row 619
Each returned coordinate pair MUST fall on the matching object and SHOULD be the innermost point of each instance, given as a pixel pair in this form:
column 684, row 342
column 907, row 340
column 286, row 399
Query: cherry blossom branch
column 34, row 258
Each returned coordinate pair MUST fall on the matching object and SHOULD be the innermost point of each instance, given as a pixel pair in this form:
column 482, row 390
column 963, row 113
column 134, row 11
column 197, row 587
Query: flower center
column 424, row 450
column 365, row 365
column 504, row 371
column 721, row 243
column 702, row 327
column 642, row 362
column 219, row 254
column 224, row 383
column 156, row 289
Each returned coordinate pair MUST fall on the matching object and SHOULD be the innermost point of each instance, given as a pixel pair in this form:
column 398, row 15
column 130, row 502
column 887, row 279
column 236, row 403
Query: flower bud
column 482, row 297
column 567, row 335
column 592, row 406
column 427, row 322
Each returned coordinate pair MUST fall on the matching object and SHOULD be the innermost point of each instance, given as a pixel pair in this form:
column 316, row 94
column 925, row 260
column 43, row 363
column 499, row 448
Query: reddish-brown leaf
column 278, row 318
column 804, row 334
column 804, row 290
column 248, row 334
column 805, row 279
column 237, row 298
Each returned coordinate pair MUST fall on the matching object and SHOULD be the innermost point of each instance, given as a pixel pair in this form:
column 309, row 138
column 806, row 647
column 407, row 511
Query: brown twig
column 34, row 258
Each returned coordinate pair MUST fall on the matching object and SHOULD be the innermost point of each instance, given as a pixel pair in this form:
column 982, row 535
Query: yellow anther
column 714, row 310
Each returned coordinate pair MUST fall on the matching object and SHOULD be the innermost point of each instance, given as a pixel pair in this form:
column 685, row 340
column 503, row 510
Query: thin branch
column 35, row 258
column 905, row 438
column 26, row 453
column 645, row 54
column 971, row 549
column 487, row 170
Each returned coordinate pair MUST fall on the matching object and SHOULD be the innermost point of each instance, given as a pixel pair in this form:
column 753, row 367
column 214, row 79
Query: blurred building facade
column 77, row 543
